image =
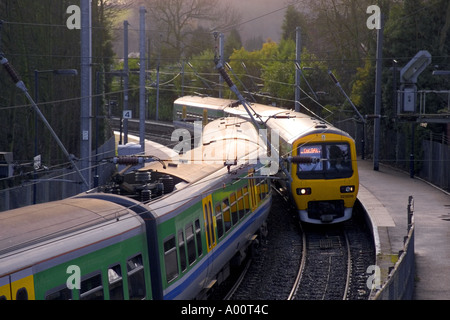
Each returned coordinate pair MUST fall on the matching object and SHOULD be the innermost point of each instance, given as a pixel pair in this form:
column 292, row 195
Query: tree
column 180, row 20
column 340, row 35
column 292, row 20
column 270, row 71
column 232, row 42
column 35, row 37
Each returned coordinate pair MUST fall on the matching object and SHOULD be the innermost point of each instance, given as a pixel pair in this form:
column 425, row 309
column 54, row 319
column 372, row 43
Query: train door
column 5, row 289
column 18, row 286
column 210, row 222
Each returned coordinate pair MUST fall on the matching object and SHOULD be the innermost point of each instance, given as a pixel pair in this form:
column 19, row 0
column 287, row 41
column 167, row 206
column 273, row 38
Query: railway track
column 164, row 139
column 326, row 270
column 307, row 262
column 324, row 262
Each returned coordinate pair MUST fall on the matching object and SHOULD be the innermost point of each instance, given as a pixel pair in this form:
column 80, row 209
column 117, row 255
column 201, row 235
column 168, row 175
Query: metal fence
column 436, row 163
column 431, row 154
column 400, row 281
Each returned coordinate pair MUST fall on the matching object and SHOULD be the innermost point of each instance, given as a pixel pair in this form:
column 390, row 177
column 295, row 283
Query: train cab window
column 3, row 298
column 198, row 238
column 182, row 250
column 333, row 161
column 92, row 288
column 234, row 208
column 338, row 156
column 136, row 278
column 170, row 259
column 189, row 231
column 115, row 282
column 219, row 220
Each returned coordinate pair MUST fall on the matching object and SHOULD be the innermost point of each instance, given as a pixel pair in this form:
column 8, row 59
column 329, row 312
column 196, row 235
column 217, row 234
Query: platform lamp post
column 59, row 72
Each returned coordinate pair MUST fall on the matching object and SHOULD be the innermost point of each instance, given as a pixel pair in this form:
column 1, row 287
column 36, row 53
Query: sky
column 259, row 19
column 267, row 26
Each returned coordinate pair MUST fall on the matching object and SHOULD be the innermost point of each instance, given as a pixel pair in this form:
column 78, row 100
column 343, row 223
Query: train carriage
column 210, row 221
column 323, row 191
column 175, row 237
column 45, row 247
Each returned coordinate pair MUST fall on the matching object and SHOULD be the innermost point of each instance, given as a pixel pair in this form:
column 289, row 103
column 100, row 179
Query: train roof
column 202, row 101
column 27, row 226
column 224, row 139
column 291, row 124
column 227, row 140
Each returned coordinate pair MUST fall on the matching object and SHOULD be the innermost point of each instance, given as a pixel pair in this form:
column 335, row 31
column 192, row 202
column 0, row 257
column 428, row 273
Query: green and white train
column 159, row 233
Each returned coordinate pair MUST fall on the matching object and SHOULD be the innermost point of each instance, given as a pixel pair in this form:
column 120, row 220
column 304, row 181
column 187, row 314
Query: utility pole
column 221, row 53
column 86, row 90
column 125, row 80
column 298, row 70
column 142, row 12
column 157, row 77
column 377, row 107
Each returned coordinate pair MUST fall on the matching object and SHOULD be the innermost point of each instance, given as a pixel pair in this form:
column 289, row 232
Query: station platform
column 384, row 194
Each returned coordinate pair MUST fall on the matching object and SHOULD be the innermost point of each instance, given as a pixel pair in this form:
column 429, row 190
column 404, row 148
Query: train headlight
column 303, row 191
column 347, row 189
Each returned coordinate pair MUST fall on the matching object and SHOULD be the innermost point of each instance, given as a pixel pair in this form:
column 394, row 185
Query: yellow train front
column 325, row 189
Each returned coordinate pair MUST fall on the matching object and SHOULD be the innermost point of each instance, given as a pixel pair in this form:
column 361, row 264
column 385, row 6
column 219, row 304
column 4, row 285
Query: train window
column 258, row 183
column 115, row 283
column 198, row 237
column 226, row 214
column 190, row 243
column 3, row 298
column 339, row 159
column 240, row 204
column 246, row 199
column 136, row 278
column 170, row 259
column 234, row 207
column 335, row 161
column 314, row 152
column 264, row 189
column 219, row 221
column 92, row 288
column 182, row 250
column 22, row 294
column 62, row 294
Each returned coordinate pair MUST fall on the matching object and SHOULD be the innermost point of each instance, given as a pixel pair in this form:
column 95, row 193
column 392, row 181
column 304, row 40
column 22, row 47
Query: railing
column 400, row 281
column 434, row 111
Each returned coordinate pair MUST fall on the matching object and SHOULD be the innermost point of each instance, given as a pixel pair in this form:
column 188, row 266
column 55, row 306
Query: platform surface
column 384, row 194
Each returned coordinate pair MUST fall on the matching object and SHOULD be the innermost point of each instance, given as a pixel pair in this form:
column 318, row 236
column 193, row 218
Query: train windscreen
column 330, row 161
